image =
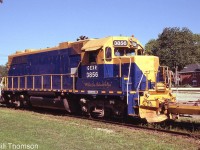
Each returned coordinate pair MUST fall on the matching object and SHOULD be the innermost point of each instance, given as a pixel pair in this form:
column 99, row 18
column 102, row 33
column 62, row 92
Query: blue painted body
column 102, row 77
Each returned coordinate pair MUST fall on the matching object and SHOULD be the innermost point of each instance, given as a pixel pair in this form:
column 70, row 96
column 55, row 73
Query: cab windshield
column 124, row 51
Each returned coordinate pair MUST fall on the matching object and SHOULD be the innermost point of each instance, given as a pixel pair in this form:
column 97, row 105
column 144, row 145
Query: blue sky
column 38, row 24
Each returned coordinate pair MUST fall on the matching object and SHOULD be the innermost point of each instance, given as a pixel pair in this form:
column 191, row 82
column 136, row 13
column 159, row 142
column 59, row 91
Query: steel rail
column 177, row 133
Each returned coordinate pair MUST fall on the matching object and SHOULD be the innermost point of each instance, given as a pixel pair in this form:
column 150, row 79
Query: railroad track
column 117, row 123
column 139, row 127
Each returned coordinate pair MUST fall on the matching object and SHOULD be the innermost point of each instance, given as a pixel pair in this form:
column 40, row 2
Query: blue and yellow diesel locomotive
column 99, row 77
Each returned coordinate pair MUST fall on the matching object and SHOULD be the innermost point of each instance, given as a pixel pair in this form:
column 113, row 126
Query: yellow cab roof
column 95, row 44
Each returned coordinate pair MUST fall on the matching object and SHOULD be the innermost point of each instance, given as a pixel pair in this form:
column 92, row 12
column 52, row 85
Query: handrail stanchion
column 12, row 83
column 51, row 82
column 73, row 83
column 42, row 83
column 6, row 82
column 120, row 68
column 61, row 82
column 170, row 80
column 25, row 82
column 33, row 82
column 147, row 82
column 18, row 82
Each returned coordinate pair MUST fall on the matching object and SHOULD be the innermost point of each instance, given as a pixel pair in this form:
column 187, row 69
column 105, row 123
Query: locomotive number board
column 120, row 43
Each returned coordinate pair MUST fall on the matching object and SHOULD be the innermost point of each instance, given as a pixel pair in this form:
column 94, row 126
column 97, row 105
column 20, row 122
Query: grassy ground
column 60, row 132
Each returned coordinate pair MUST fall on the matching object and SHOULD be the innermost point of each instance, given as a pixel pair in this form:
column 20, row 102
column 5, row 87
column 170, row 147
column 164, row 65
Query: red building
column 190, row 75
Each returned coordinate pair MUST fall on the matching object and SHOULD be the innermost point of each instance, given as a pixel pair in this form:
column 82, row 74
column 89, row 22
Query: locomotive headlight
column 134, row 44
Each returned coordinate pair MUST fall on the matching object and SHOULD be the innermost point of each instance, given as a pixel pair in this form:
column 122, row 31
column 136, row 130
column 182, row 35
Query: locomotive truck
column 109, row 76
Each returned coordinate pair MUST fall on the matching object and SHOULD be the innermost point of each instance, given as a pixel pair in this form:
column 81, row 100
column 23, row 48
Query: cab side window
column 108, row 54
column 119, row 52
column 92, row 57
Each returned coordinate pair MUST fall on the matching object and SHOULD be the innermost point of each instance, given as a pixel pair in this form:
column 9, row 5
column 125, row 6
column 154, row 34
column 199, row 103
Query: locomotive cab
column 116, row 69
column 103, row 69
column 108, row 52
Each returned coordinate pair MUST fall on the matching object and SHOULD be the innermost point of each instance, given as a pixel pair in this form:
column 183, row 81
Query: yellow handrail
column 17, row 79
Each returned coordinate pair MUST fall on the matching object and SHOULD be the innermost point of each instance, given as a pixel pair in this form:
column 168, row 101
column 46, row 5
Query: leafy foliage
column 151, row 46
column 196, row 38
column 175, row 47
column 3, row 71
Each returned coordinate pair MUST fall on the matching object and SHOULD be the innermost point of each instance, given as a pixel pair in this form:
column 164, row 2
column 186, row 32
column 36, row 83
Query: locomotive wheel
column 18, row 104
column 97, row 112
column 2, row 100
column 66, row 105
column 71, row 105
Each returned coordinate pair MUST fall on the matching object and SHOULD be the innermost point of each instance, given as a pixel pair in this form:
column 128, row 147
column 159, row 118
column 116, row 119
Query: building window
column 194, row 83
column 194, row 75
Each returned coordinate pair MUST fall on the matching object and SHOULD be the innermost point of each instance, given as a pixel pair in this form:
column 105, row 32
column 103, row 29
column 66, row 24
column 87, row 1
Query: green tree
column 196, row 38
column 175, row 47
column 151, row 46
column 3, row 70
